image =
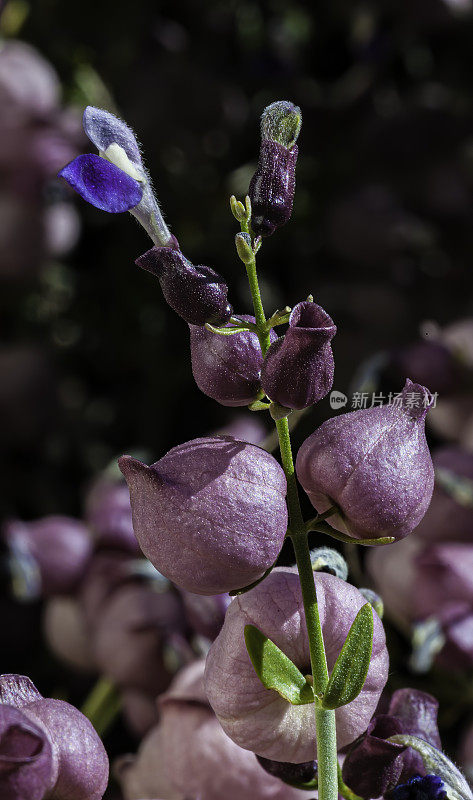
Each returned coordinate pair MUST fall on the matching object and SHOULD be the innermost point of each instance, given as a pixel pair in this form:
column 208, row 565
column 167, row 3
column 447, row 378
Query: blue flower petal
column 104, row 129
column 102, row 184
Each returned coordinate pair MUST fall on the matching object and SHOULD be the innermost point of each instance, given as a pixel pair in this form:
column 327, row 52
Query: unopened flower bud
column 374, row 464
column 198, row 518
column 227, row 368
column 287, row 772
column 326, row 559
column 244, row 249
column 238, row 209
column 197, row 294
column 298, row 368
column 272, row 186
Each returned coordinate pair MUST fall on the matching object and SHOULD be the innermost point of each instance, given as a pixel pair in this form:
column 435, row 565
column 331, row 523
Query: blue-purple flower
column 116, row 179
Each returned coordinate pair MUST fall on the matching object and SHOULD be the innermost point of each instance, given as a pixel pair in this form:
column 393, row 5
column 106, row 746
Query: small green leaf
column 351, row 667
column 275, row 670
column 437, row 763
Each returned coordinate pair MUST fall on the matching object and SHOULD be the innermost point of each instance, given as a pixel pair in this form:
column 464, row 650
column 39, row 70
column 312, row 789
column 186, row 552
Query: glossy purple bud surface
column 259, row 719
column 211, row 514
column 374, row 464
column 26, row 758
column 102, row 184
column 59, row 547
column 189, row 756
column 272, row 187
column 298, row 368
column 374, row 765
column 197, row 294
column 227, row 368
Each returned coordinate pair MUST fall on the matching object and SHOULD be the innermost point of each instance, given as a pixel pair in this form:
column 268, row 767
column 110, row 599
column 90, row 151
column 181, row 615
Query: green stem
column 102, row 705
column 324, row 719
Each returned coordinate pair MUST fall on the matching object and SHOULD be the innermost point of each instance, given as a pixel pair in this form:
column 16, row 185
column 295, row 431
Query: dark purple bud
column 292, row 773
column 298, row 368
column 227, row 368
column 205, row 613
column 130, row 636
column 337, row 463
column 108, row 512
column 428, row 787
column 198, row 519
column 59, row 548
column 197, row 294
column 102, row 184
column 26, row 758
column 272, row 187
column 374, row 765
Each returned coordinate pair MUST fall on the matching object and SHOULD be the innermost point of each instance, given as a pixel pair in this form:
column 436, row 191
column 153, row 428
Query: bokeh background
column 92, row 362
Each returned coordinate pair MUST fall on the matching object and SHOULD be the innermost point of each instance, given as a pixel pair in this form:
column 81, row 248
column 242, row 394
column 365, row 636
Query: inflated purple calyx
column 27, row 769
column 374, row 465
column 197, row 294
column 258, row 718
column 211, row 514
column 227, row 368
column 272, row 187
column 298, row 368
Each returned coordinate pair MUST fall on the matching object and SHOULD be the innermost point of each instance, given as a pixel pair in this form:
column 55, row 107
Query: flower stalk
column 324, row 719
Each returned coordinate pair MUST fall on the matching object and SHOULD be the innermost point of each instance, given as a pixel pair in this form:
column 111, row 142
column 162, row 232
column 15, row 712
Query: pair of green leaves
column 276, row 671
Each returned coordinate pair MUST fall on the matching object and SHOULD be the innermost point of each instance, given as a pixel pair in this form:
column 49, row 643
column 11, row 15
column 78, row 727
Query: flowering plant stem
column 324, row 718
column 102, row 705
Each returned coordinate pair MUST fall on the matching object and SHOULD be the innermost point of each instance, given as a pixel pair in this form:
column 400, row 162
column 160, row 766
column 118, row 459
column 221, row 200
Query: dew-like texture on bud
column 259, row 719
column 211, row 514
column 60, row 547
column 130, row 636
column 108, row 513
column 227, row 368
column 374, row 464
column 82, row 760
column 189, row 755
column 27, row 769
column 373, row 765
column 18, row 690
column 272, row 187
column 197, row 294
column 298, row 368
column 456, row 465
